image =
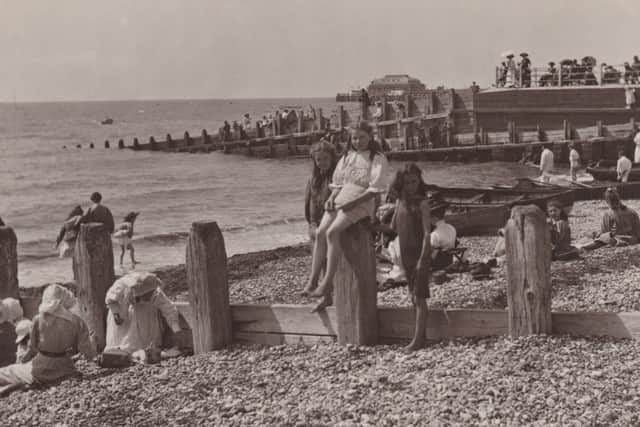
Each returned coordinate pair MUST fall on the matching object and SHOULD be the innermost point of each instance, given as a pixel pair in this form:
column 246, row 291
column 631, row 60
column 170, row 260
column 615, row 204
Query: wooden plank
column 395, row 323
column 279, row 339
column 618, row 325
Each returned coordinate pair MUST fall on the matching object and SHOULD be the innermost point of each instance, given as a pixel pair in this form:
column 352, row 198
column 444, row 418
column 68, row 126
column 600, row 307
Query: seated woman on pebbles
column 620, row 225
column 359, row 177
column 561, row 249
column 56, row 335
column 135, row 302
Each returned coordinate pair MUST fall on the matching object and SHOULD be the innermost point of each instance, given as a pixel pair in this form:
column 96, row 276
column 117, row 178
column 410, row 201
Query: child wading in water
column 412, row 222
column 358, row 178
column 123, row 234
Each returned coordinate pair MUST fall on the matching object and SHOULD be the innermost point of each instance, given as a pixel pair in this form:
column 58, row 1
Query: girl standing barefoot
column 359, row 177
column 324, row 163
column 124, row 234
column 412, row 222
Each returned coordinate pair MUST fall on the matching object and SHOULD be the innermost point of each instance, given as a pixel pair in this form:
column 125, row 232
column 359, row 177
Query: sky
column 163, row 49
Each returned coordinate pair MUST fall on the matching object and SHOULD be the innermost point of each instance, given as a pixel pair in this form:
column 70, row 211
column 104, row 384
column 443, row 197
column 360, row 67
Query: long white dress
column 140, row 328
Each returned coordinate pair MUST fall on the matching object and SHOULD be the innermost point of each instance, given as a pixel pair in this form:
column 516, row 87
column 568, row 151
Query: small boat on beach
column 591, row 191
column 478, row 211
column 107, row 121
column 605, row 170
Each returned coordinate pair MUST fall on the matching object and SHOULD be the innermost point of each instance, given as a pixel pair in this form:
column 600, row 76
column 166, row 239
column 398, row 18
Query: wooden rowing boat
column 478, row 211
column 605, row 170
column 592, row 191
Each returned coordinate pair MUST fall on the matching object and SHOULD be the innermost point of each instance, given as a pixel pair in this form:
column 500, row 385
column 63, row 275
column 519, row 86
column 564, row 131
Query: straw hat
column 23, row 328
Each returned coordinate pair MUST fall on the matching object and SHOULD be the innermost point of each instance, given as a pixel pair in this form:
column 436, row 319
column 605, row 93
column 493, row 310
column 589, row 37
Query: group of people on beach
column 139, row 313
column 347, row 189
column 97, row 213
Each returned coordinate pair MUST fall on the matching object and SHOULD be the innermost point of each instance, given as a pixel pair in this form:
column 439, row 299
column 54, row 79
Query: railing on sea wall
column 568, row 75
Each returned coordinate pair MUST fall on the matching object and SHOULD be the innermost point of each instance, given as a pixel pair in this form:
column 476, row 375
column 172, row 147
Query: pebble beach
column 536, row 380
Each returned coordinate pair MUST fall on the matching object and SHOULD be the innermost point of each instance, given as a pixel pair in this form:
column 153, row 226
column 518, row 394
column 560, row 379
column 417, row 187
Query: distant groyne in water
column 445, row 125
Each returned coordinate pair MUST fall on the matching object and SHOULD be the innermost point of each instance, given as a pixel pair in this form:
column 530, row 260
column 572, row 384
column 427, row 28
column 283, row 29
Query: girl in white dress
column 135, row 302
column 361, row 175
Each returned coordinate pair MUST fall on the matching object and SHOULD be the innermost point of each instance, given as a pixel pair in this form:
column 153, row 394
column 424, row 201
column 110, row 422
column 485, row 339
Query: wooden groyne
column 447, row 125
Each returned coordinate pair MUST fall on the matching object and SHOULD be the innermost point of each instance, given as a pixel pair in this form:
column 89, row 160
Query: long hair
column 77, row 210
column 317, row 175
column 131, row 216
column 397, row 186
column 374, row 147
column 612, row 198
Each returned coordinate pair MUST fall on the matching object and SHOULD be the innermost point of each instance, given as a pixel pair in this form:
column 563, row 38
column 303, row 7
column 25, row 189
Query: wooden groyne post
column 208, row 287
column 95, row 274
column 8, row 288
column 355, row 288
column 8, row 263
column 528, row 247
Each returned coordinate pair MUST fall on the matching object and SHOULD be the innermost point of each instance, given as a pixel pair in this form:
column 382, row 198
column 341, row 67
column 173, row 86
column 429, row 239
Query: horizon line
column 240, row 98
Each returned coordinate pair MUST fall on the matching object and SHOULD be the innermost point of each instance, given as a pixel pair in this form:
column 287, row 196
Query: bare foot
column 415, row 344
column 326, row 301
column 308, row 290
column 320, row 290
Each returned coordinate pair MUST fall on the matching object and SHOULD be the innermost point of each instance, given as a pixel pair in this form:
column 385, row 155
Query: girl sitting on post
column 359, row 177
column 412, row 222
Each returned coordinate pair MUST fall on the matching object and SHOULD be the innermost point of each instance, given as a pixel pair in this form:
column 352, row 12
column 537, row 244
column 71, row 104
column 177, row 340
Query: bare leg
column 133, row 255
column 122, row 254
column 340, row 223
column 319, row 252
column 420, row 334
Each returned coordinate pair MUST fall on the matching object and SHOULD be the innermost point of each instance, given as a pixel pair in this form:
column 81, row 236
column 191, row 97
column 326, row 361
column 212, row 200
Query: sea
column 47, row 167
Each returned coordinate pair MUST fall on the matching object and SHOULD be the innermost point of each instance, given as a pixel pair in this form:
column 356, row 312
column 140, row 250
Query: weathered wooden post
column 136, row 143
column 355, row 288
column 170, row 143
column 206, row 139
column 320, row 119
column 187, row 139
column 8, row 288
column 8, row 263
column 566, row 127
column 272, row 148
column 120, row 144
column 528, row 247
column 275, row 124
column 94, row 263
column 208, row 287
column 106, row 143
column 300, row 121
column 153, row 143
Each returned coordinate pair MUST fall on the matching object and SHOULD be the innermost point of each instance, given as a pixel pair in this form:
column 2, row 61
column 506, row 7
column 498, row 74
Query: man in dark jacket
column 99, row 213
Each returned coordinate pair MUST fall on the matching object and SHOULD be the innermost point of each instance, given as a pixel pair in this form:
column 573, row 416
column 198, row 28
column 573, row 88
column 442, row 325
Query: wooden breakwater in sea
column 448, row 125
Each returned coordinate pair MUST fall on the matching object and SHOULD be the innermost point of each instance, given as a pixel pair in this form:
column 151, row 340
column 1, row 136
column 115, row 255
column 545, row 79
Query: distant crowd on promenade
column 247, row 127
column 568, row 72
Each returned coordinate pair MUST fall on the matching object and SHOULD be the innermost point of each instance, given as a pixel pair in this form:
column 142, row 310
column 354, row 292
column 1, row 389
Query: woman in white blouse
column 361, row 175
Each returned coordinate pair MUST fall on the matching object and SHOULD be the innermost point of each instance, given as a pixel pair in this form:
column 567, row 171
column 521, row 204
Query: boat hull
column 474, row 211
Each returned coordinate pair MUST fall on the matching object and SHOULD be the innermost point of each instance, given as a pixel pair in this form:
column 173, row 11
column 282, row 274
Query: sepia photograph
column 319, row 213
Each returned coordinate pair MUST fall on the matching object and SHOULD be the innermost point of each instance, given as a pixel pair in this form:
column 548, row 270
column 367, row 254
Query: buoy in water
column 91, row 145
column 106, row 144
column 79, row 146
